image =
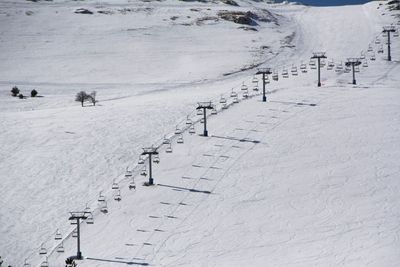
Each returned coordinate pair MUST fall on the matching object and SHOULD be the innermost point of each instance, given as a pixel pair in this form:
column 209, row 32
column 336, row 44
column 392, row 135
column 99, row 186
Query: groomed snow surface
column 310, row 178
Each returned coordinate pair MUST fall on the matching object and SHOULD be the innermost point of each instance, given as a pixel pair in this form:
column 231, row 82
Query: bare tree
column 81, row 97
column 92, row 97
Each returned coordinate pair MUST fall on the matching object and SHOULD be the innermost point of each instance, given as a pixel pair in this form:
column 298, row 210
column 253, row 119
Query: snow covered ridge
column 57, row 156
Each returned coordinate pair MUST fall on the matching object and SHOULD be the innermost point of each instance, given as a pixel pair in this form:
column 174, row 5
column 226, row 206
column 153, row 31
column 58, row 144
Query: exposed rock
column 248, row 28
column 230, row 2
column 238, row 17
column 83, row 11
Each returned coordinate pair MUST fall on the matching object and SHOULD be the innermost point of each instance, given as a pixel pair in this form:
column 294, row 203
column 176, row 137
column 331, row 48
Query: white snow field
column 310, row 178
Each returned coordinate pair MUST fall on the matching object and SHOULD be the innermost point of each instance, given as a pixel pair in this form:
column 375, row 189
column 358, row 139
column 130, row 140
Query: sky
column 332, row 2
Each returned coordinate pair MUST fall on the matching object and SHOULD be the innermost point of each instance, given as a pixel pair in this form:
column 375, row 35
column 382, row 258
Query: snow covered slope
column 322, row 176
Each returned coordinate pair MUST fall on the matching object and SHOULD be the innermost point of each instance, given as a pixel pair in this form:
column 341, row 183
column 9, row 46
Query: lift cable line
column 388, row 30
column 150, row 151
column 319, row 55
column 77, row 216
column 353, row 62
column 264, row 71
column 204, row 106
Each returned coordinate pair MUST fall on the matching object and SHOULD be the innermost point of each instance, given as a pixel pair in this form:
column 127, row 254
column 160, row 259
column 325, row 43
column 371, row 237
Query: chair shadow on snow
column 186, row 189
column 120, row 261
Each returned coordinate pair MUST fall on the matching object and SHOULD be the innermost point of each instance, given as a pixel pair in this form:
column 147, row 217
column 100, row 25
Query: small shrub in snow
column 21, row 96
column 34, row 93
column 92, row 98
column 14, row 91
column 82, row 96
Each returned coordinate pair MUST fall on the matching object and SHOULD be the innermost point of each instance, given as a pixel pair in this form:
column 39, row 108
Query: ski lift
column 73, row 222
column 347, row 69
column 213, row 112
column 58, row 235
column 101, row 198
column 180, row 139
column 322, row 63
column 141, row 160
column 188, row 120
column 26, row 264
column 44, row 263
column 396, row 33
column 255, row 88
column 233, row 94
column 236, row 100
column 372, row 57
column 356, row 69
column 60, row 248
column 254, row 80
column 370, row 48
column 380, row 50
column 202, row 120
column 177, row 130
column 199, row 112
column 115, row 185
column 365, row 64
column 377, row 41
column 192, row 129
column 222, row 100
column 132, row 184
column 245, row 95
column 266, row 80
column 42, row 250
column 165, row 141
column 312, row 64
column 331, row 65
column 169, row 149
column 75, row 233
column 89, row 219
column 156, row 159
column 244, row 87
column 104, row 208
column 224, row 106
column 285, row 73
column 362, row 56
column 143, row 172
column 117, row 196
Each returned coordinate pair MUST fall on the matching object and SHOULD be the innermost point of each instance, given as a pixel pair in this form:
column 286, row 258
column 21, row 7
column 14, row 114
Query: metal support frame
column 353, row 62
column 264, row 71
column 388, row 30
column 150, row 151
column 319, row 55
column 78, row 215
column 204, row 106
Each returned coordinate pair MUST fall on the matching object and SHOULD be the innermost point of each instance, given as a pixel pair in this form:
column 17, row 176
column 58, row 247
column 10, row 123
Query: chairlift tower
column 264, row 71
column 353, row 62
column 78, row 215
column 319, row 55
column 204, row 106
column 388, row 30
column 150, row 151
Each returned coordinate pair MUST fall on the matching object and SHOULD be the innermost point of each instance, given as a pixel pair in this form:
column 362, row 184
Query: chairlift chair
column 244, row 87
column 303, row 68
column 255, row 88
column 377, row 41
column 236, row 100
column 199, row 112
column 101, row 197
column 285, row 73
column 143, row 172
column 224, row 106
column 370, row 49
column 132, row 184
column 104, row 208
column 233, row 94
column 177, row 130
column 89, row 219
column 45, row 263
column 347, row 69
column 26, row 264
column 60, row 248
column 245, row 94
column 362, row 55
column 339, row 67
column 58, row 235
column 380, row 50
column 293, row 70
column 141, row 160
column 192, row 130
column 117, row 196
column 128, row 173
column 42, row 250
column 202, row 120
column 266, row 80
column 168, row 149
column 165, row 141
column 372, row 57
column 356, row 69
column 275, row 76
column 188, row 120
column 213, row 112
column 396, row 33
column 365, row 64
column 73, row 222
column 222, row 100
column 115, row 185
column 254, row 80
column 312, row 64
column 156, row 159
column 331, row 65
column 322, row 63
column 180, row 139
